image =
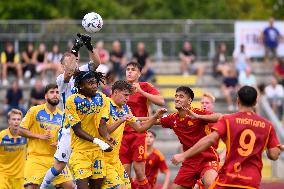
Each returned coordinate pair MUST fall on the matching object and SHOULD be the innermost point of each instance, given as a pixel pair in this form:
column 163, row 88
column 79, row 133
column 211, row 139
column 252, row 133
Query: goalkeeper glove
column 76, row 47
column 86, row 40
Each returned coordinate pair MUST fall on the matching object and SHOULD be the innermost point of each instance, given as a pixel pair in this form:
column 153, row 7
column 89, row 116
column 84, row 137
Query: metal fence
column 163, row 38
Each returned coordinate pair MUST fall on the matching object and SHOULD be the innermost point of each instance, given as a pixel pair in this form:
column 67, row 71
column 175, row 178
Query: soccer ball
column 92, row 22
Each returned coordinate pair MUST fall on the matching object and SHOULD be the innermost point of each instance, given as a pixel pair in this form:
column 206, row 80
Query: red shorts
column 133, row 147
column 189, row 173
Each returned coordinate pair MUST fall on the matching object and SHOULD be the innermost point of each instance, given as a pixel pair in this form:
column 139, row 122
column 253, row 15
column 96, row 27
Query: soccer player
column 246, row 135
column 133, row 144
column 65, row 82
column 12, row 153
column 43, row 119
column 120, row 114
column 155, row 161
column 86, row 113
column 189, row 131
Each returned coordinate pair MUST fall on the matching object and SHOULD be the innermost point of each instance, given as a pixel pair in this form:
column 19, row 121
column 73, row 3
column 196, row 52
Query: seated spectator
column 40, row 59
column 230, row 88
column 118, row 59
column 53, row 59
column 142, row 57
column 275, row 94
column 37, row 94
column 279, row 70
column 14, row 98
column 241, row 59
column 11, row 62
column 29, row 66
column 103, row 53
column 247, row 78
column 187, row 57
column 220, row 61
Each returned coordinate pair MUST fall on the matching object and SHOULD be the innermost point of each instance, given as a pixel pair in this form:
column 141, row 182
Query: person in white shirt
column 65, row 82
column 241, row 59
column 247, row 78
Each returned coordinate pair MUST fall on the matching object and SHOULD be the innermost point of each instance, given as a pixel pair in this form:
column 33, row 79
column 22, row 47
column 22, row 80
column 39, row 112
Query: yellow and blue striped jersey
column 40, row 120
column 87, row 111
column 12, row 154
column 116, row 113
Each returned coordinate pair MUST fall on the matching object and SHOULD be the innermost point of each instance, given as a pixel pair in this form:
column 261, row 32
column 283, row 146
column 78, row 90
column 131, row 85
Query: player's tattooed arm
column 199, row 147
column 156, row 99
column 28, row 134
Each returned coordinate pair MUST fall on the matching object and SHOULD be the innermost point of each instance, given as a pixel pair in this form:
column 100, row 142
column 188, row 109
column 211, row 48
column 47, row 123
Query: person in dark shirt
column 187, row 58
column 271, row 37
column 11, row 61
column 118, row 59
column 37, row 94
column 142, row 57
column 29, row 66
column 14, row 98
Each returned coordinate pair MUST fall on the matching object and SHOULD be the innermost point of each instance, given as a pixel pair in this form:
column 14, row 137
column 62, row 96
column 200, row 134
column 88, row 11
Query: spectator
column 14, row 98
column 247, row 78
column 271, row 38
column 230, row 87
column 53, row 59
column 11, row 62
column 29, row 66
column 279, row 70
column 40, row 59
column 220, row 61
column 118, row 59
column 241, row 59
column 37, row 94
column 142, row 57
column 102, row 52
column 187, row 57
column 275, row 94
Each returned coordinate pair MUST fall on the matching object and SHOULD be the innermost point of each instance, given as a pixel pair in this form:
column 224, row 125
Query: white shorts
column 63, row 151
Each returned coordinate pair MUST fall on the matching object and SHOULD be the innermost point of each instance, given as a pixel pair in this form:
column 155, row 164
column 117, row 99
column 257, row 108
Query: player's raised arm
column 207, row 117
column 199, row 147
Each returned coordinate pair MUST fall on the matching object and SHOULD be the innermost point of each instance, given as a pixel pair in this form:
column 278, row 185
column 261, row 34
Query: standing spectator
column 241, row 59
column 230, row 87
column 279, row 70
column 11, row 62
column 220, row 61
column 275, row 94
column 37, row 94
column 142, row 57
column 29, row 66
column 53, row 59
column 14, row 98
column 40, row 59
column 271, row 38
column 118, row 59
column 187, row 57
column 247, row 78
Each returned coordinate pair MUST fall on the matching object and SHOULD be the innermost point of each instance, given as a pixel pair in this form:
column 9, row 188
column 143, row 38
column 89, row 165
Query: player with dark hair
column 86, row 113
column 120, row 114
column 133, row 144
column 65, row 82
column 189, row 130
column 41, row 125
column 246, row 135
column 155, row 161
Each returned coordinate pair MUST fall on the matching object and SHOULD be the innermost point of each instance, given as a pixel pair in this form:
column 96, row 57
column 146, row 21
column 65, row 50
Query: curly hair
column 84, row 75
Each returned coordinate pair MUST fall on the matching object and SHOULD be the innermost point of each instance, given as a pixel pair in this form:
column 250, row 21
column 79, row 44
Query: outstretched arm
column 28, row 134
column 199, row 147
column 156, row 99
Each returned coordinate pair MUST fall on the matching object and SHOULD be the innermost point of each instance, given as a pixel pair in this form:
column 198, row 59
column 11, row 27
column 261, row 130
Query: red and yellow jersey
column 40, row 120
column 246, row 135
column 155, row 162
column 116, row 113
column 88, row 112
column 189, row 131
column 12, row 154
column 139, row 103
